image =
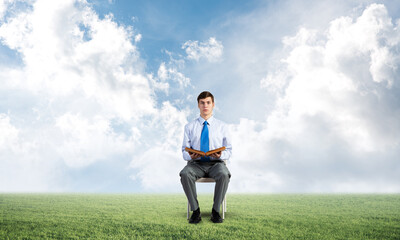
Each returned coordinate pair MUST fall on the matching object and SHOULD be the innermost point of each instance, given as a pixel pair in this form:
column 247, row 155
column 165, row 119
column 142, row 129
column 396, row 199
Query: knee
column 224, row 176
column 185, row 174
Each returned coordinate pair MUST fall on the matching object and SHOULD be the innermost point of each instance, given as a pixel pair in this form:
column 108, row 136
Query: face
column 206, row 106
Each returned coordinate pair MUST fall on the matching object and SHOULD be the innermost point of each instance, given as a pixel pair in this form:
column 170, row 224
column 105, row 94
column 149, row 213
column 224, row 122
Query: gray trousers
column 195, row 170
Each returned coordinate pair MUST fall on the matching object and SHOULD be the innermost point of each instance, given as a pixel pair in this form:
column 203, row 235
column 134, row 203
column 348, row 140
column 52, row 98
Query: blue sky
column 94, row 95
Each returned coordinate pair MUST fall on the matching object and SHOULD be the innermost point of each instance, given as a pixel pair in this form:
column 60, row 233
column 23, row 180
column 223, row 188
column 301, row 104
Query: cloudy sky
column 94, row 95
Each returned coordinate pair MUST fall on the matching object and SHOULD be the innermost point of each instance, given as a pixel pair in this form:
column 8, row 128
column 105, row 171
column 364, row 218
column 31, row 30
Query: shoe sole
column 217, row 221
column 195, row 221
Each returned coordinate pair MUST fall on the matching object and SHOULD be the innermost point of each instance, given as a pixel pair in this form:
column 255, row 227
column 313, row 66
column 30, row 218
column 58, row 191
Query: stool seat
column 203, row 179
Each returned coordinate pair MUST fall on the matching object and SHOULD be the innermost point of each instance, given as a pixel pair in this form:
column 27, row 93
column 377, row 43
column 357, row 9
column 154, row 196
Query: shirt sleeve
column 186, row 143
column 226, row 142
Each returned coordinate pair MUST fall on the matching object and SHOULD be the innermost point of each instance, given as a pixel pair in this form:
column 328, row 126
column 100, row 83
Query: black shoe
column 215, row 217
column 196, row 216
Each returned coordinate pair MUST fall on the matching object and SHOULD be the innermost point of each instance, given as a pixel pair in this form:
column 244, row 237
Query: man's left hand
column 216, row 155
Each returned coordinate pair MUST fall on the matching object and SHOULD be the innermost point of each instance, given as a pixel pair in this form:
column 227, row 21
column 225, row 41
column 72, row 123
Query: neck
column 206, row 117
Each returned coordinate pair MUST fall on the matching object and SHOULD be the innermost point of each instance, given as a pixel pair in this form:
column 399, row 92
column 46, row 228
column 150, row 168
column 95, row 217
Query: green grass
column 141, row 216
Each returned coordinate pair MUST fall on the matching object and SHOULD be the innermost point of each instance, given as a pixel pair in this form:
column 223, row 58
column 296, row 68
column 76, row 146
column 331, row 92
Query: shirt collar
column 202, row 120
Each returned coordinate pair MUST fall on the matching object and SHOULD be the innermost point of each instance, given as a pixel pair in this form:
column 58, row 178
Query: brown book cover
column 203, row 153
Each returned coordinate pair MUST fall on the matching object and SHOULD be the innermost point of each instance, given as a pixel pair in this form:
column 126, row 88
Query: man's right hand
column 194, row 155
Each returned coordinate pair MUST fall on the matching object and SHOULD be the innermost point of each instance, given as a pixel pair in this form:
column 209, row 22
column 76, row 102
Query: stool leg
column 188, row 210
column 225, row 203
column 223, row 209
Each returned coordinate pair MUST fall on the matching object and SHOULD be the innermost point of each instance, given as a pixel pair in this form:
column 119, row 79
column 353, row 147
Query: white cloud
column 211, row 50
column 9, row 134
column 169, row 76
column 335, row 124
column 84, row 94
column 80, row 96
column 160, row 163
column 85, row 142
column 138, row 37
column 21, row 159
column 171, row 73
column 69, row 50
column 4, row 4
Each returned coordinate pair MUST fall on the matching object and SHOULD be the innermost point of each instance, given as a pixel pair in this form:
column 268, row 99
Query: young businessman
column 205, row 133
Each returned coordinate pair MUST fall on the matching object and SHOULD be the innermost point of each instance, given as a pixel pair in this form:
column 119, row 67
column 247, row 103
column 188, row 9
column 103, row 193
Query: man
column 205, row 133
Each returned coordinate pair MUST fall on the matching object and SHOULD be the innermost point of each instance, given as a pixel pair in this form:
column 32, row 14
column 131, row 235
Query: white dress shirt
column 217, row 133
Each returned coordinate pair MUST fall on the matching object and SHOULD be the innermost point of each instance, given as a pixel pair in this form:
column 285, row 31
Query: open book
column 205, row 153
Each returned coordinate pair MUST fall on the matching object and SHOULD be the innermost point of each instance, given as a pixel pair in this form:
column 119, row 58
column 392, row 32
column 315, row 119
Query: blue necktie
column 204, row 141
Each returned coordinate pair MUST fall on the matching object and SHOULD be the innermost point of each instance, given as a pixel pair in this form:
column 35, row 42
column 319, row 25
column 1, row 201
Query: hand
column 194, row 155
column 216, row 155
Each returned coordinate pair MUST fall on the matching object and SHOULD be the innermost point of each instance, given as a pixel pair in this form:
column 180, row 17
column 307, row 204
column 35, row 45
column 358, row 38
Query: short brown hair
column 205, row 94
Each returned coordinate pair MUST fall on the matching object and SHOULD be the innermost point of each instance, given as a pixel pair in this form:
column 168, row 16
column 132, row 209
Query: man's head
column 205, row 102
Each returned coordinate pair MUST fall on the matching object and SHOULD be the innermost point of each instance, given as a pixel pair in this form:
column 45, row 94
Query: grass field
column 146, row 216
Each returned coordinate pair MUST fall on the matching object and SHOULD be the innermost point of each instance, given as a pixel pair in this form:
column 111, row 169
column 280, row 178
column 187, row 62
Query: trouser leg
column 220, row 173
column 189, row 174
